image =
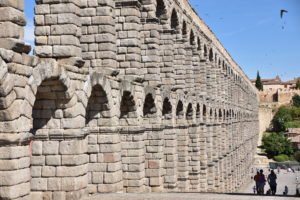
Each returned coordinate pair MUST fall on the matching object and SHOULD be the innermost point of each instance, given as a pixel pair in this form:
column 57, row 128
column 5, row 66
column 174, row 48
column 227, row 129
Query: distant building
column 294, row 135
column 278, row 91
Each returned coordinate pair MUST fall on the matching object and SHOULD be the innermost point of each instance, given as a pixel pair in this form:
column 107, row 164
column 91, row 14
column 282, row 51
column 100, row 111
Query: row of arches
column 99, row 107
column 169, row 12
column 58, row 109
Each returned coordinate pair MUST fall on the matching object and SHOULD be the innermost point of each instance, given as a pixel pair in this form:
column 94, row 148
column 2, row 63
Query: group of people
column 260, row 182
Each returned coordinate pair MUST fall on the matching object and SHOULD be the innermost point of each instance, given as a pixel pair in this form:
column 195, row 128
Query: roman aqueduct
column 120, row 96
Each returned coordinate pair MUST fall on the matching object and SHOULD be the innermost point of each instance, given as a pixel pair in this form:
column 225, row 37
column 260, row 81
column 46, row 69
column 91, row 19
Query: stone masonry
column 120, row 96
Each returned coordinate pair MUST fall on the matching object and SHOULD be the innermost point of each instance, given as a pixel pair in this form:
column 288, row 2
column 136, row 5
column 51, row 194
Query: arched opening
column 205, row 51
column 179, row 110
column 211, row 55
column 127, row 108
column 98, row 116
column 149, row 109
column 198, row 44
column 184, row 28
column 220, row 114
column 189, row 112
column 55, row 125
column 210, row 112
column 174, row 20
column 49, row 105
column 167, row 109
column 160, row 8
column 97, row 105
column 216, row 57
column 192, row 38
column 204, row 111
column 275, row 97
column 198, row 112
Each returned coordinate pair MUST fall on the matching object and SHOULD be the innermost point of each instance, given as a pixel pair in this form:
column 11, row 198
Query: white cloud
column 29, row 33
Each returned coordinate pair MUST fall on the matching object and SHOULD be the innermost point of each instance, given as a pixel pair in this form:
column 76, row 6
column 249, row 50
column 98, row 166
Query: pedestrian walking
column 256, row 178
column 272, row 182
column 286, row 190
column 261, row 182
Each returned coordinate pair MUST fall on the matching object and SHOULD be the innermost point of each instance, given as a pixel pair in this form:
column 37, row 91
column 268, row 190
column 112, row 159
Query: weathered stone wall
column 279, row 96
column 266, row 115
column 120, row 96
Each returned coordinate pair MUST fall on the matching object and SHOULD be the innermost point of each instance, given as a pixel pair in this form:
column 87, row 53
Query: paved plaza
column 186, row 196
column 284, row 178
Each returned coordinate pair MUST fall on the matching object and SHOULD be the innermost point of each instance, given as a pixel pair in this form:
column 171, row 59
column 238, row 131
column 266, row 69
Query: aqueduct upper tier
column 120, row 96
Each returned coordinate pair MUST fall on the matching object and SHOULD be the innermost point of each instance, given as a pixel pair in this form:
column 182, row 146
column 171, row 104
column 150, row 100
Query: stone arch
column 47, row 69
column 231, row 113
column 167, row 109
column 100, row 127
column 227, row 70
column 50, row 97
column 211, row 55
column 192, row 37
column 58, row 122
column 179, row 109
column 98, row 107
column 216, row 114
column 227, row 114
column 198, row 44
column 184, row 28
column 160, row 9
column 98, row 80
column 220, row 114
column 211, row 112
column 204, row 111
column 198, row 111
column 189, row 112
column 174, row 20
column 127, row 105
column 205, row 50
column 149, row 109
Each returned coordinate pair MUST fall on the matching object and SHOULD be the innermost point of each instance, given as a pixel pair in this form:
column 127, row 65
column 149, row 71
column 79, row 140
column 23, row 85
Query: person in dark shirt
column 272, row 182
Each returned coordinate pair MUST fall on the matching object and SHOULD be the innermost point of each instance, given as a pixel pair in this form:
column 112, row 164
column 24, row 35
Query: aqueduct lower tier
column 120, row 96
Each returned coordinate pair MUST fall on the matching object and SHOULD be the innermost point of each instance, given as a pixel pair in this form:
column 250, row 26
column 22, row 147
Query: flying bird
column 282, row 12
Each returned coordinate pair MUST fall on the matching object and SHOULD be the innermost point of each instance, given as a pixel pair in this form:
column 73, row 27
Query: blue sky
column 255, row 35
column 251, row 30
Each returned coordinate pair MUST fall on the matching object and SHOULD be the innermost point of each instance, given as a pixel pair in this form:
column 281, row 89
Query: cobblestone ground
column 185, row 196
column 284, row 178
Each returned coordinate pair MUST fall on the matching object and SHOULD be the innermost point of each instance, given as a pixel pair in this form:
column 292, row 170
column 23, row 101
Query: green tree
column 296, row 100
column 277, row 143
column 282, row 116
column 258, row 83
column 298, row 84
